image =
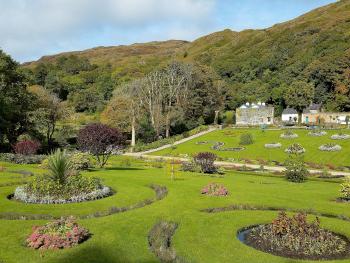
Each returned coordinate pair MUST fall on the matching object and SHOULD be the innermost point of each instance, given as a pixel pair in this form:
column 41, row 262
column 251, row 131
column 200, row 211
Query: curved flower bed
column 295, row 148
column 215, row 189
column 59, row 234
column 340, row 136
column 21, row 194
column 273, row 145
column 218, row 146
column 330, row 147
column 295, row 237
column 317, row 133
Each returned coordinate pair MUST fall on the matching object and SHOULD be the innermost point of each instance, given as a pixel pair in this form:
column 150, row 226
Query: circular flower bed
column 295, row 237
column 273, row 145
column 59, row 234
column 215, row 189
column 340, row 136
column 317, row 133
column 40, row 195
column 330, row 147
column 295, row 148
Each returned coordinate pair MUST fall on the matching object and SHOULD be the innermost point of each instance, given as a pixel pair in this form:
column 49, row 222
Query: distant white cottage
column 290, row 115
column 254, row 114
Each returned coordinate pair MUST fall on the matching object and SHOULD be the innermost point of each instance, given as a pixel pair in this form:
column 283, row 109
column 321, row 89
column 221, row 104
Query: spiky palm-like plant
column 59, row 166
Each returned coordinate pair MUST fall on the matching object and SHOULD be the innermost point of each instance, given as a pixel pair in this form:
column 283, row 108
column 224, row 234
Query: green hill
column 257, row 64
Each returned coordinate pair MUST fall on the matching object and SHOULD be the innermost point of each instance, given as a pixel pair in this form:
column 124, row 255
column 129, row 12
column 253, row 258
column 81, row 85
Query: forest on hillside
column 152, row 92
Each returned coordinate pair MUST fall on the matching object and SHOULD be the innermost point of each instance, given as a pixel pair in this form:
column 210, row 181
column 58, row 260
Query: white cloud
column 31, row 28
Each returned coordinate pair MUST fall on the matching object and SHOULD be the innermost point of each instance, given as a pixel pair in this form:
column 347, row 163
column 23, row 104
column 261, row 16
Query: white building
column 290, row 115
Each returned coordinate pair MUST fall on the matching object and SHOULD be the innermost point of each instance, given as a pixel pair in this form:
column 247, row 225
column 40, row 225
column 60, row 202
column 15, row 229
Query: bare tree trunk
column 133, row 132
column 167, row 126
column 216, row 118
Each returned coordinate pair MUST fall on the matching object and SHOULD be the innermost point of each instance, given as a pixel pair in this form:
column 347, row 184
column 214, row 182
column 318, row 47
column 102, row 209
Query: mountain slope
column 314, row 47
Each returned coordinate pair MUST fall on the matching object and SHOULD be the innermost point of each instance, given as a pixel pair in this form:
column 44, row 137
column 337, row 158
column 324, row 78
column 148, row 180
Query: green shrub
column 345, row 189
column 246, row 139
column 60, row 166
column 80, row 161
column 296, row 170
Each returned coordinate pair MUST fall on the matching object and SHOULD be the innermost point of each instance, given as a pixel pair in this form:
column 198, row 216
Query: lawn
column 256, row 151
column 200, row 237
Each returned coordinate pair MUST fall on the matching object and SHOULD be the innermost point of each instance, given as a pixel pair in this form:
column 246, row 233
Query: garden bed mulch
column 265, row 246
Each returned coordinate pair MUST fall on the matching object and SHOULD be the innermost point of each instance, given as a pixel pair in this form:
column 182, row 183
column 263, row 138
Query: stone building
column 254, row 114
column 314, row 115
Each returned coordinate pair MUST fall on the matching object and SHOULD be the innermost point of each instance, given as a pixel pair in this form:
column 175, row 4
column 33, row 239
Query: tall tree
column 15, row 101
column 299, row 95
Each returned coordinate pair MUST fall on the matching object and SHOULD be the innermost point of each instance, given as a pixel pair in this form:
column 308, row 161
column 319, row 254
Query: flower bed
column 295, row 237
column 28, row 196
column 218, row 146
column 273, row 145
column 202, row 142
column 330, row 147
column 59, row 234
column 295, row 148
column 215, row 189
column 317, row 133
column 289, row 136
column 340, row 136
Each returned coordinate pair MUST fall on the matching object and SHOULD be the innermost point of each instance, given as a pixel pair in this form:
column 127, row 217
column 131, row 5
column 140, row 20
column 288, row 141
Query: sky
column 30, row 29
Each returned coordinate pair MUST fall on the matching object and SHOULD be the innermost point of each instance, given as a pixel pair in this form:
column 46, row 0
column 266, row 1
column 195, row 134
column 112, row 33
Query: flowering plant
column 215, row 189
column 59, row 234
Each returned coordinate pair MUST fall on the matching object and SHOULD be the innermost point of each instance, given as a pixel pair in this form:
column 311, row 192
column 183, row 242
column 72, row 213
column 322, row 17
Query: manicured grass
column 200, row 237
column 257, row 151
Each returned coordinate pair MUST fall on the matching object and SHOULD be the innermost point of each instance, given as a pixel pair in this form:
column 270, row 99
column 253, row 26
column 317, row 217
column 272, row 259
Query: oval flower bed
column 340, row 136
column 330, row 147
column 218, row 146
column 317, row 133
column 273, row 145
column 295, row 148
column 215, row 189
column 289, row 135
column 59, row 234
column 295, row 237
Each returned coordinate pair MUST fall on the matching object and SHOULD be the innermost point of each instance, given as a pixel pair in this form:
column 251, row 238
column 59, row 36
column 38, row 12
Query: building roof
column 258, row 105
column 314, row 107
column 289, row 111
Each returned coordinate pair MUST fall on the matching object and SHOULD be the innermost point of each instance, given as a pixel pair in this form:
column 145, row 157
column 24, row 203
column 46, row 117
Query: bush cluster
column 295, row 235
column 295, row 148
column 215, row 189
column 246, row 139
column 59, row 234
column 345, row 189
column 27, row 147
column 21, row 158
column 296, row 170
column 205, row 160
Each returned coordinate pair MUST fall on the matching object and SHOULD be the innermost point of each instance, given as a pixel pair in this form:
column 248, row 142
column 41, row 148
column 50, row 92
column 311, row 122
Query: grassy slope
column 257, row 150
column 201, row 237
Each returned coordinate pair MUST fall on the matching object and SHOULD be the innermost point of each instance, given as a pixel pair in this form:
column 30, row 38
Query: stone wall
column 254, row 116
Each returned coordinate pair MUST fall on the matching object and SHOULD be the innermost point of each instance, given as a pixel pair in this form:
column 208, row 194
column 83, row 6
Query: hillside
column 125, row 58
column 256, row 64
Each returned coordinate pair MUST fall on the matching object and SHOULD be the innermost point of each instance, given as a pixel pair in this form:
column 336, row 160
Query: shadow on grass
column 96, row 254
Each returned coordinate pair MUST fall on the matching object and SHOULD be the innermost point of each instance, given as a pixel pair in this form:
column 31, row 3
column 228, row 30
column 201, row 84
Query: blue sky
column 30, row 29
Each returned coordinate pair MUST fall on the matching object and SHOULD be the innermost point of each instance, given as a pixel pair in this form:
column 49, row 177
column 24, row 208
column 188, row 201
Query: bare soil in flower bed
column 246, row 237
column 343, row 200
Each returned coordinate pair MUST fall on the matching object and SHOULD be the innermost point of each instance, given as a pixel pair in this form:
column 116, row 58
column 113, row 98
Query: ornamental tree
column 101, row 141
column 206, row 162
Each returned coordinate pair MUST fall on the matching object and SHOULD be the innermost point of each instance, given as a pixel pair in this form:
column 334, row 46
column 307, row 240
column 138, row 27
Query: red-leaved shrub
column 206, row 162
column 59, row 234
column 27, row 147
